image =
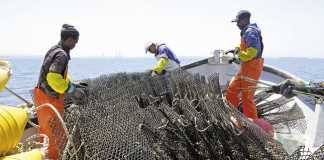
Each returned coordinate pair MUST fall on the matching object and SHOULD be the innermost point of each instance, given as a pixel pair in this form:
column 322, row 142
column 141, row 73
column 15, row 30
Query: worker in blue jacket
column 250, row 57
column 166, row 62
column 166, row 59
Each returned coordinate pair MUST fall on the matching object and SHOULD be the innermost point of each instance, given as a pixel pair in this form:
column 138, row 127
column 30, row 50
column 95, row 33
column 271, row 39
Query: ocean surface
column 26, row 70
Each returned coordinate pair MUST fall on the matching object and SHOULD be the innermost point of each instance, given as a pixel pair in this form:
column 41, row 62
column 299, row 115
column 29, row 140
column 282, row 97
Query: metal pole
column 19, row 97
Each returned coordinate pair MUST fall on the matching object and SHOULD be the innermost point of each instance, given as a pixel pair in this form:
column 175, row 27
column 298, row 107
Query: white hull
column 314, row 114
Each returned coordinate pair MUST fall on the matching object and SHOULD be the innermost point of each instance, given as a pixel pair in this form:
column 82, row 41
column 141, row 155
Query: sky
column 290, row 28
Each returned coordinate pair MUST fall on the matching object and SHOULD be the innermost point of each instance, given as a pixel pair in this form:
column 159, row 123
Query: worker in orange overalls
column 251, row 61
column 53, row 83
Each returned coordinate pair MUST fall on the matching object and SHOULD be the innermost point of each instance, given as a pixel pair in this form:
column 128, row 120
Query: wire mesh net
column 280, row 113
column 176, row 116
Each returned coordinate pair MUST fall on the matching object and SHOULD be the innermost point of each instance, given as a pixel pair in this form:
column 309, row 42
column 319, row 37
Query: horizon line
column 131, row 57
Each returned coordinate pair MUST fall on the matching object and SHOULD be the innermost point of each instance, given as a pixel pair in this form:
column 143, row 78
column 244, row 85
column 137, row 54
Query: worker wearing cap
column 251, row 61
column 166, row 59
column 166, row 62
column 53, row 83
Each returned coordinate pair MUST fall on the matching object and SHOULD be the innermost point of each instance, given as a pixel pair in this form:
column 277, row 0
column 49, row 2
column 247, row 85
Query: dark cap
column 241, row 15
column 69, row 31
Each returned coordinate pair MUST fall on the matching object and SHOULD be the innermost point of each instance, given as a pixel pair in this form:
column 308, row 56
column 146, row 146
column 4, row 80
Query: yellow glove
column 249, row 54
column 160, row 66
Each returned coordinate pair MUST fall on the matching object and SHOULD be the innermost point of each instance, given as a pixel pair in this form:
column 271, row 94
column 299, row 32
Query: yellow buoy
column 35, row 154
column 4, row 74
column 12, row 124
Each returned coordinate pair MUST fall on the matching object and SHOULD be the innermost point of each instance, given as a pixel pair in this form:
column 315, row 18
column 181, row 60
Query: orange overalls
column 251, row 69
column 48, row 121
